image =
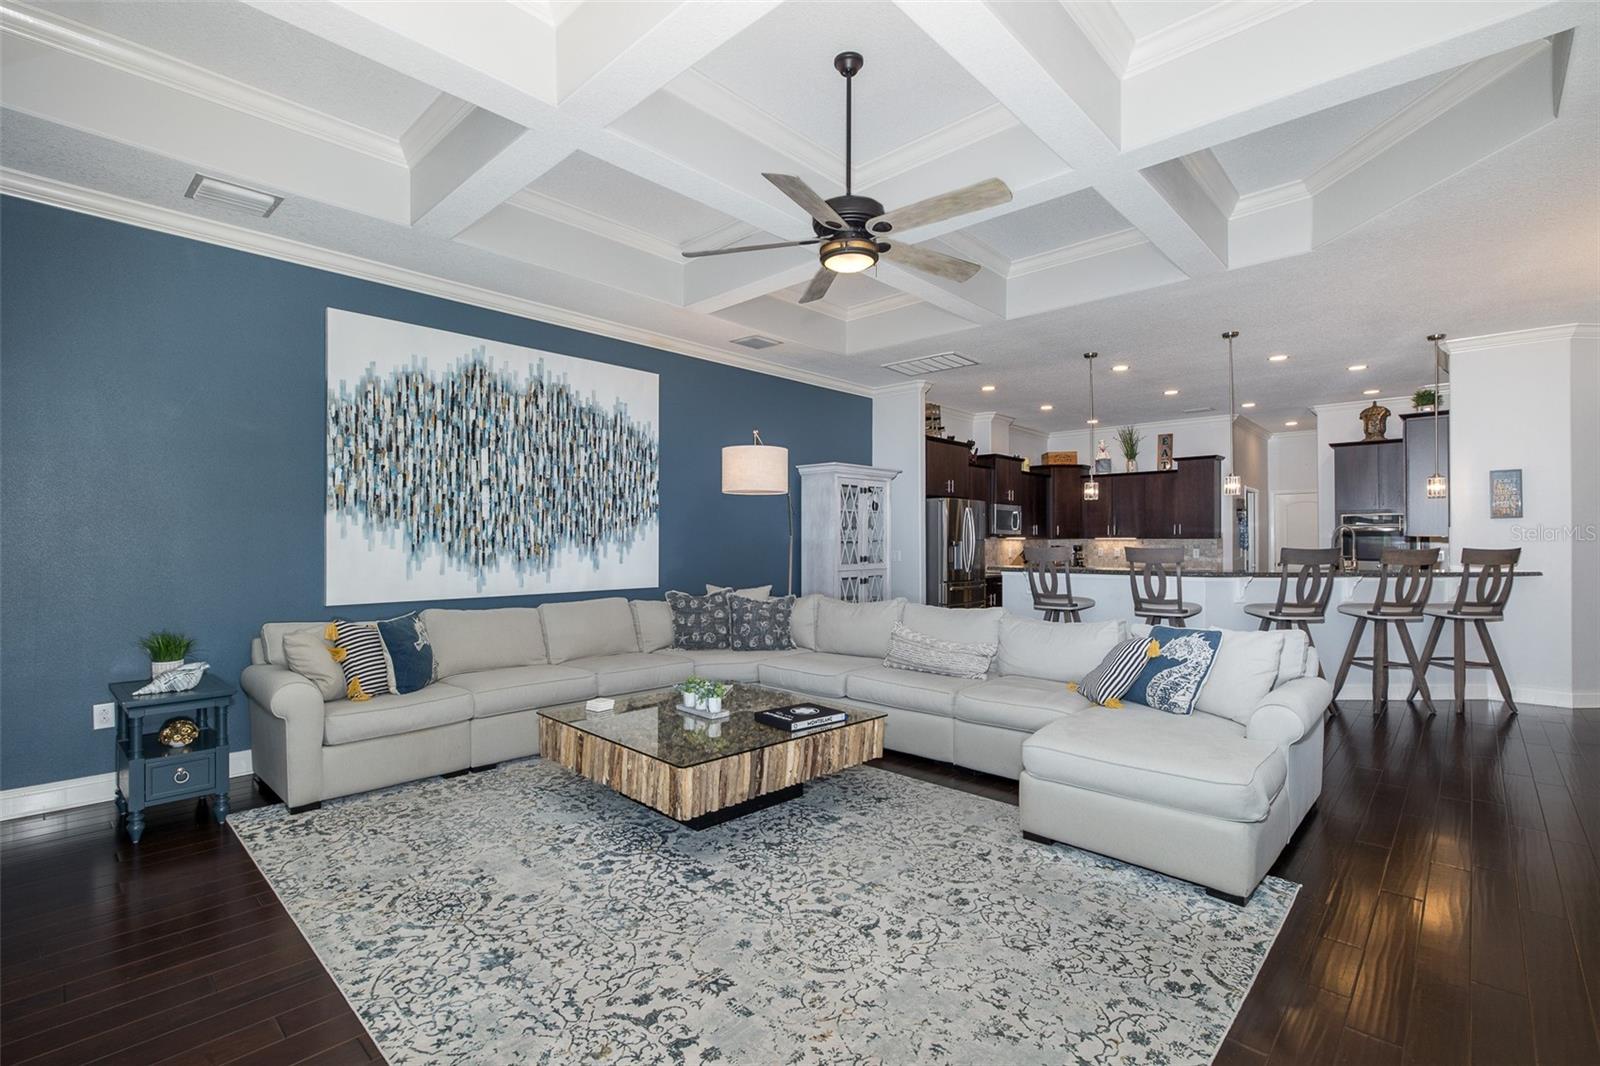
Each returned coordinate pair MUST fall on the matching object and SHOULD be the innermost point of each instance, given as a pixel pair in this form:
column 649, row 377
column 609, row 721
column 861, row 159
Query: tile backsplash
column 1106, row 554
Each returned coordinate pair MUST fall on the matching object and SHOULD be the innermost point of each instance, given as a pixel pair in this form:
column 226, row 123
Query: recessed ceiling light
column 1119, row 368
column 1291, row 423
column 1248, row 403
column 1358, row 366
column 1047, row 407
column 1369, row 392
column 1092, row 421
column 1279, row 358
column 988, row 388
column 1170, row 392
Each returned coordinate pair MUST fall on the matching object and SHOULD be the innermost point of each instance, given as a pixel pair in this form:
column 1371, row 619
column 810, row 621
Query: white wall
column 1292, row 461
column 898, row 442
column 1028, row 443
column 1586, row 513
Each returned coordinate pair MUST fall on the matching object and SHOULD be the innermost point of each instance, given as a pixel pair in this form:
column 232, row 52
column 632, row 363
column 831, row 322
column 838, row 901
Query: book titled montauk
column 800, row 716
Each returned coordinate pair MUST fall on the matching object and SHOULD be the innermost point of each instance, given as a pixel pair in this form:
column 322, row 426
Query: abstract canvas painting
column 461, row 467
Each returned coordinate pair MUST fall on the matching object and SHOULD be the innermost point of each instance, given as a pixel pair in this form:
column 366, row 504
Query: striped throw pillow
column 1107, row 683
column 911, row 650
column 358, row 649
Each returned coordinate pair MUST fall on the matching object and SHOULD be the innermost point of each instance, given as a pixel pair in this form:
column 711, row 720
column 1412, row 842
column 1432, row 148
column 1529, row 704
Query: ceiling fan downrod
column 848, row 63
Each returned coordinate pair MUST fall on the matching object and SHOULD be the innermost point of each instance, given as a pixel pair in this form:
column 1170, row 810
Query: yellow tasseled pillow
column 358, row 649
column 1107, row 683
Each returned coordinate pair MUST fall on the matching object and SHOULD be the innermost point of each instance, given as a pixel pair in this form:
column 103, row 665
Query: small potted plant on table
column 167, row 650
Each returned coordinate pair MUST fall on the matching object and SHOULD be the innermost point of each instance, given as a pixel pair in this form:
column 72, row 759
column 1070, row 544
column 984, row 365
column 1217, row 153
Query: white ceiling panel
column 1050, row 225
column 597, row 187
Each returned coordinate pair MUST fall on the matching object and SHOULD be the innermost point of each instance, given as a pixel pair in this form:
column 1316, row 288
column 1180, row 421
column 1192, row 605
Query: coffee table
column 703, row 772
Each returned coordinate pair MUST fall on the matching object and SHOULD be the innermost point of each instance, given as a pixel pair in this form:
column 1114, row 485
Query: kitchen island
column 1222, row 596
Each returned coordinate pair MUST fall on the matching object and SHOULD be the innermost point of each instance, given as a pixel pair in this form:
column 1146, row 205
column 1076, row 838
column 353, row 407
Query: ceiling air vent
column 1198, row 410
column 757, row 341
column 930, row 364
column 235, row 197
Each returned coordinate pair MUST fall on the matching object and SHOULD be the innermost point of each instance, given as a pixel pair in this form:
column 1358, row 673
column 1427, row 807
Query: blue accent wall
column 161, row 460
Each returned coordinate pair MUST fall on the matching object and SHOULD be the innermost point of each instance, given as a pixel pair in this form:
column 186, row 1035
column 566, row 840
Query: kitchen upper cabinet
column 1425, row 517
column 1064, row 516
column 1196, row 498
column 1036, row 508
column 950, row 470
column 1369, row 477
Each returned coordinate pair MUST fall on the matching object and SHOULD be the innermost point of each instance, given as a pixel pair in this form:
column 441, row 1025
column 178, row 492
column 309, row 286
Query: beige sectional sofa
column 1211, row 797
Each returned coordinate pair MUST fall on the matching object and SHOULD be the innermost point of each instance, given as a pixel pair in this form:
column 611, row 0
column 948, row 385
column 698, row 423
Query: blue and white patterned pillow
column 1107, row 683
column 410, row 653
column 1171, row 680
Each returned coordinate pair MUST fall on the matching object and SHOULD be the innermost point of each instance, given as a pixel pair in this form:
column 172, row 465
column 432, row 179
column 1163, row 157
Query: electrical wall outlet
column 105, row 715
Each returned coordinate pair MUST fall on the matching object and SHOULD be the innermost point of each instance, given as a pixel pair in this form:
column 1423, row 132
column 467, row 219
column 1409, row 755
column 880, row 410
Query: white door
column 1294, row 522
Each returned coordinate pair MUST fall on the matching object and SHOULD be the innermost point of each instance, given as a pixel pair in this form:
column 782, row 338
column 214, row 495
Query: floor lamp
column 760, row 470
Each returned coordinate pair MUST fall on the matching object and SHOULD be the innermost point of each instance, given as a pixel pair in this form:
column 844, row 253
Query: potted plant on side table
column 167, row 650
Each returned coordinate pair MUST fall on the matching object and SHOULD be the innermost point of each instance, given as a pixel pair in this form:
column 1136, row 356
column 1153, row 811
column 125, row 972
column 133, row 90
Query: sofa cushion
column 1056, row 651
column 906, row 689
column 966, row 625
column 521, row 688
column 634, row 671
column 1198, row 763
column 272, row 634
column 857, row 628
column 760, row 625
column 488, row 639
column 725, row 664
column 699, row 621
column 581, row 628
column 803, row 621
column 358, row 649
column 1021, row 703
column 1295, row 663
column 919, row 652
column 385, row 716
column 1107, row 683
column 1172, row 678
column 652, row 624
column 755, row 592
column 1245, row 670
column 410, row 652
column 812, row 673
column 307, row 653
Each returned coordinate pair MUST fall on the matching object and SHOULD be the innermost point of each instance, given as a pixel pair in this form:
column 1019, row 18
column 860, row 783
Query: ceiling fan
column 848, row 227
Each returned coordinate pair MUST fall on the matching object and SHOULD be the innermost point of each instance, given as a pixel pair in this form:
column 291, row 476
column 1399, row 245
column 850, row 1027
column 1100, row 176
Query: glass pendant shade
column 1091, row 490
column 1233, row 485
column 1438, row 487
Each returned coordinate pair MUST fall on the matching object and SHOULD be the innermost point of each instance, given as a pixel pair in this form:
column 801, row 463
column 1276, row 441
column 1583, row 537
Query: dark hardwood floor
column 1450, row 914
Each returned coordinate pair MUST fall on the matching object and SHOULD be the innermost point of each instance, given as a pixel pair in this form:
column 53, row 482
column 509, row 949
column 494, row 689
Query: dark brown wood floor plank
column 1502, row 1027
column 1358, row 1049
column 1557, row 998
column 320, row 1039
column 1497, row 958
column 1382, row 997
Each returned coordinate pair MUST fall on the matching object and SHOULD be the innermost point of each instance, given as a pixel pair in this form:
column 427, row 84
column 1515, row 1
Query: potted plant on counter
column 1130, row 439
column 167, row 650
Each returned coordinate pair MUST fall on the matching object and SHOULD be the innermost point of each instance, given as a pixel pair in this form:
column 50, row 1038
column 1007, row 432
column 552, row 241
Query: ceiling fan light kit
column 850, row 228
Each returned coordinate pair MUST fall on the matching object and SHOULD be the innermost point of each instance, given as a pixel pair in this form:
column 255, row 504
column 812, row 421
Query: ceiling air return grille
column 757, row 342
column 930, row 364
column 235, row 197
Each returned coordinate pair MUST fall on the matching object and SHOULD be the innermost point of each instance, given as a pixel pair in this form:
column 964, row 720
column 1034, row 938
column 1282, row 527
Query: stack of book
column 799, row 717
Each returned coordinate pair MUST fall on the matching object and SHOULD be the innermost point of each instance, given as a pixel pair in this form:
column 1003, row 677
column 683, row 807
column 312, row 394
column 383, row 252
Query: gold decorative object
column 1375, row 422
column 178, row 732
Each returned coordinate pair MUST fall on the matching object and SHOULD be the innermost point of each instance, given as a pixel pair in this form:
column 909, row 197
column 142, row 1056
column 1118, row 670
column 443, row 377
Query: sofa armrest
column 286, row 720
column 1290, row 711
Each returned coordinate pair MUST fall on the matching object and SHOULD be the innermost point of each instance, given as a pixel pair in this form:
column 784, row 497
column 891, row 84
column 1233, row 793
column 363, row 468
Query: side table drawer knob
column 181, row 777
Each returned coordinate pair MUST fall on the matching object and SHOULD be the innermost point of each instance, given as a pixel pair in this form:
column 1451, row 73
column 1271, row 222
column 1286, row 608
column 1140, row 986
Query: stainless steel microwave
column 1005, row 520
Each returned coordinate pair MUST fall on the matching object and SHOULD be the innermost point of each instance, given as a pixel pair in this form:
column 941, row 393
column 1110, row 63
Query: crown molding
column 432, row 126
column 1270, row 198
column 539, row 203
column 1205, row 27
column 1110, row 37
column 1449, row 93
column 963, row 133
column 882, row 305
column 975, row 249
column 1572, row 331
column 73, row 38
column 210, row 231
column 728, row 107
column 1074, row 253
column 729, row 233
column 1203, row 167
column 919, row 386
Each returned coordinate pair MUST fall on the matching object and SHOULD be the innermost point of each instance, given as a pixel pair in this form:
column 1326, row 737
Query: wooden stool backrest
column 1047, row 569
column 1148, row 572
column 1405, row 580
column 1486, row 575
column 1313, row 582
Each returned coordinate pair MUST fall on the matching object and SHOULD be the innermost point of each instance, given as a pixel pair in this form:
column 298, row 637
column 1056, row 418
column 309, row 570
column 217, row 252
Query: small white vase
column 691, row 700
column 157, row 669
column 714, row 704
column 1131, row 466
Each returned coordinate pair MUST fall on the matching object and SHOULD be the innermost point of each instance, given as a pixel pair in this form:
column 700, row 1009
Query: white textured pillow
column 1244, row 671
column 759, row 592
column 307, row 654
column 803, row 622
column 857, row 628
column 1056, row 651
column 652, row 622
column 911, row 650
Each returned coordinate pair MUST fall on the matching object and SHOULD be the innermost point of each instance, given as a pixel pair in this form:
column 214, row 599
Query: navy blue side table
column 149, row 772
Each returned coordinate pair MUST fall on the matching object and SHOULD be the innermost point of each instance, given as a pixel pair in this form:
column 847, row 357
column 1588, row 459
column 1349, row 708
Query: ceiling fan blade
column 750, row 248
column 975, row 197
column 920, row 257
column 819, row 285
column 809, row 201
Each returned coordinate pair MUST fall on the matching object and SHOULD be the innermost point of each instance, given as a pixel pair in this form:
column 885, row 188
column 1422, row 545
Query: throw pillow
column 1171, row 680
column 1107, row 683
column 307, row 654
column 410, row 652
column 759, row 592
column 699, row 622
column 910, row 650
column 759, row 625
column 358, row 649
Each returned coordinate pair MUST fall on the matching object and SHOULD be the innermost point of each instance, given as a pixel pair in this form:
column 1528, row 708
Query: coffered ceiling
column 1284, row 168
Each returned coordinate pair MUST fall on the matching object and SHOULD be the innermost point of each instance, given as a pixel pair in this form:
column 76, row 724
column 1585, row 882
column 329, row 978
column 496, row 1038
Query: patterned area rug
column 527, row 915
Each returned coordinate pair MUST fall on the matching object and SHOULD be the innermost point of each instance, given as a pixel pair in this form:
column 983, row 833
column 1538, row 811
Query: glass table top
column 652, row 724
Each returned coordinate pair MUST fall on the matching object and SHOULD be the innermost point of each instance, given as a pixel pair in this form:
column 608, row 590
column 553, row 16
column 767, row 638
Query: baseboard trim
column 1358, row 689
column 55, row 796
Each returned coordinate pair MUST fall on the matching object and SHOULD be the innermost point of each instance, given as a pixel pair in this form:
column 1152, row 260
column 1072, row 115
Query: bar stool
column 1050, row 580
column 1486, row 575
column 1151, row 568
column 1405, row 579
column 1313, row 587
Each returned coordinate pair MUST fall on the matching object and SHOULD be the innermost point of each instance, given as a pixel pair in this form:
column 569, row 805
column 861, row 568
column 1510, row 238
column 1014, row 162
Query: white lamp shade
column 755, row 470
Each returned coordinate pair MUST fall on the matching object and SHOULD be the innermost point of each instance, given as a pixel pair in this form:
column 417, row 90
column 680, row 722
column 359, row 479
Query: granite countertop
column 1122, row 572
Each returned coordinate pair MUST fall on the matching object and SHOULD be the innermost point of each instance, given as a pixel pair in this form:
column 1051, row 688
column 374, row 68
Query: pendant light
column 1091, row 488
column 1232, row 484
column 1438, row 484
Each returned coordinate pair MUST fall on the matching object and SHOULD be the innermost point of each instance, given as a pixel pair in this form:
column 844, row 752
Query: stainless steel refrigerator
column 955, row 534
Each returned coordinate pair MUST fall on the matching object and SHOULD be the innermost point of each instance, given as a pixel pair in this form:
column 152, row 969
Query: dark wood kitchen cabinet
column 1196, row 500
column 1064, row 513
column 1036, row 508
column 1007, row 485
column 950, row 471
column 1369, row 477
